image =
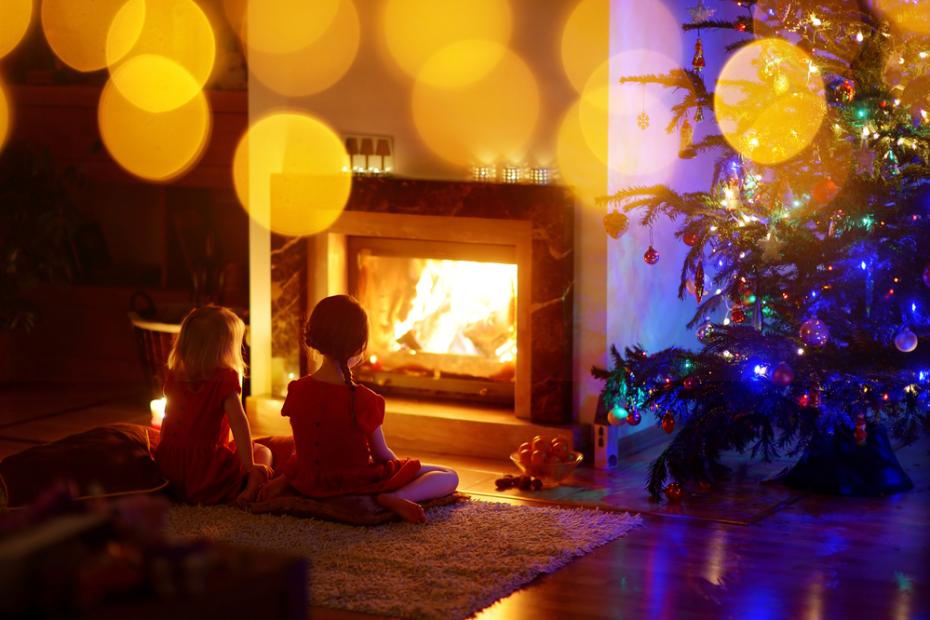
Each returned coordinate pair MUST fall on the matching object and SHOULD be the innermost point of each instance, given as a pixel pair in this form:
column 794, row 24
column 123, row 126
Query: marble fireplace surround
column 537, row 221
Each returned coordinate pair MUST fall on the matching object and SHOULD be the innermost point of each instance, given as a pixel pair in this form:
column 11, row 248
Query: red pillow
column 102, row 461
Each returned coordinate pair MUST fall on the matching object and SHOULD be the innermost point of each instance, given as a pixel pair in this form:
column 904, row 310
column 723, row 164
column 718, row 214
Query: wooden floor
column 743, row 550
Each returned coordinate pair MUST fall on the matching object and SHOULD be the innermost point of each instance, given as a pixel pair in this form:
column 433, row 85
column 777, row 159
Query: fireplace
column 442, row 316
column 468, row 287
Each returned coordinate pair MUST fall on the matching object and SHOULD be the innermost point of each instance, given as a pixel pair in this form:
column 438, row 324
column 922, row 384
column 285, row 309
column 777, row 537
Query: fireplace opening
column 443, row 317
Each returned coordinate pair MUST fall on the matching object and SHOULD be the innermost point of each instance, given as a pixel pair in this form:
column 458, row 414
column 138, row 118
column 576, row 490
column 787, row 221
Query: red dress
column 195, row 454
column 333, row 454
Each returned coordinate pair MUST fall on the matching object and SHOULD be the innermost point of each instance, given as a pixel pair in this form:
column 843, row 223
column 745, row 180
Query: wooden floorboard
column 742, row 550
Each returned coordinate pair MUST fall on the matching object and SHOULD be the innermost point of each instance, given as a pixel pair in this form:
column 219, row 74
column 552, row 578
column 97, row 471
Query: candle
column 157, row 407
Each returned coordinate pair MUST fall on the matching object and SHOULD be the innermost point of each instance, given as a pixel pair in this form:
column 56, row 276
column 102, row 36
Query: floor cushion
column 107, row 460
column 350, row 509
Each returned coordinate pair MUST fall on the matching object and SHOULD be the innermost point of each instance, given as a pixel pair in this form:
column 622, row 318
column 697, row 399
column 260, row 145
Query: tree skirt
column 469, row 554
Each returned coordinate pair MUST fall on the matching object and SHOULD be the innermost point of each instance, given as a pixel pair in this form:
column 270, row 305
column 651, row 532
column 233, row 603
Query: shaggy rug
column 469, row 554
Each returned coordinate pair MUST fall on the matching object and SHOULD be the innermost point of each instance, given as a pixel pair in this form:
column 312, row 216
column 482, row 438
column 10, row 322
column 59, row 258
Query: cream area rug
column 469, row 554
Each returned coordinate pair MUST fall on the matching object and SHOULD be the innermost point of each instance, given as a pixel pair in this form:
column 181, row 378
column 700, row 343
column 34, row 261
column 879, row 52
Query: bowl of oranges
column 549, row 459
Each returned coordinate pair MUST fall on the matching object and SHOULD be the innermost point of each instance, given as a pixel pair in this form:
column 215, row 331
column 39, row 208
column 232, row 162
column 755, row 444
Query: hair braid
column 350, row 382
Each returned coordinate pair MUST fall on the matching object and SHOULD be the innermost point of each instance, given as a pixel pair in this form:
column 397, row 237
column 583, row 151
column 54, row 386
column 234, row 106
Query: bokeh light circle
column 76, row 30
column 291, row 173
column 154, row 146
column 301, row 72
column 14, row 21
column 488, row 119
column 608, row 111
column 174, row 29
column 155, row 83
column 585, row 40
column 906, row 15
column 4, row 117
column 284, row 26
column 416, row 30
column 579, row 166
column 768, row 105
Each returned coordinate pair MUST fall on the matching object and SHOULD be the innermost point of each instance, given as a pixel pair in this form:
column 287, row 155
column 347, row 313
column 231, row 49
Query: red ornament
column 698, row 60
column 668, row 423
column 673, row 492
column 861, row 435
column 690, row 383
column 690, row 238
column 651, row 256
column 635, row 417
column 699, row 281
column 741, row 26
column 824, row 191
column 804, row 399
column 782, row 375
column 737, row 315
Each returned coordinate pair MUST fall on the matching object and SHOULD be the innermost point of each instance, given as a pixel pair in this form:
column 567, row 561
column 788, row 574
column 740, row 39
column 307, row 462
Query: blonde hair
column 210, row 338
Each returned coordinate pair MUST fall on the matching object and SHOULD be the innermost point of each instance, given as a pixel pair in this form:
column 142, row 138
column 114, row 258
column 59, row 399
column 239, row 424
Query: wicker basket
column 154, row 340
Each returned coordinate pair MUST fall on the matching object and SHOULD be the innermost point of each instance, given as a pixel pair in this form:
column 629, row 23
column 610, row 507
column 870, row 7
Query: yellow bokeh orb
column 608, row 114
column 4, row 117
column 157, row 146
column 585, row 40
column 416, row 30
column 177, row 30
column 300, row 72
column 906, row 15
column 579, row 166
column 155, row 83
column 489, row 119
column 291, row 173
column 15, row 16
column 76, row 30
column 768, row 105
column 286, row 26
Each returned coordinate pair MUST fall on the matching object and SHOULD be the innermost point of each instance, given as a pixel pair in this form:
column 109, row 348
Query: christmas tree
column 809, row 256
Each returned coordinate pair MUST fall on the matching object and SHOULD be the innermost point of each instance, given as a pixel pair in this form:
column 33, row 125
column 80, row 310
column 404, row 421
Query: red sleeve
column 371, row 410
column 287, row 409
column 229, row 383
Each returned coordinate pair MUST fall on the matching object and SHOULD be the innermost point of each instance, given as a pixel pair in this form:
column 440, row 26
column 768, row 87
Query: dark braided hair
column 338, row 328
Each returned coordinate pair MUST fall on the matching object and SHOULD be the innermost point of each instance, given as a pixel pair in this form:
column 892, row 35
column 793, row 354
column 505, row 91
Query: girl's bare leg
column 433, row 481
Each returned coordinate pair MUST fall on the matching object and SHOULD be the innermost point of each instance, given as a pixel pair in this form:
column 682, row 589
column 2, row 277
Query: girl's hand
column 272, row 489
column 258, row 475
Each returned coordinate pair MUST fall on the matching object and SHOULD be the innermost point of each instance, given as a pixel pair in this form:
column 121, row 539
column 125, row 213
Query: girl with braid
column 340, row 448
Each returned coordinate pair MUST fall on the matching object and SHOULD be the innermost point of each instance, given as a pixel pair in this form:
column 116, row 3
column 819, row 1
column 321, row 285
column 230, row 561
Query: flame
column 460, row 303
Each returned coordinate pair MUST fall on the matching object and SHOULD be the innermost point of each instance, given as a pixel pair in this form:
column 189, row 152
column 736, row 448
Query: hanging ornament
column 690, row 382
column 668, row 423
column 804, row 399
column 844, row 91
column 643, row 119
column 699, row 114
column 617, row 415
column 686, row 138
column 705, row 332
column 781, row 84
column 737, row 315
column 814, row 332
column 731, row 193
column 700, row 13
column 635, row 417
column 673, row 492
column 824, row 191
column 698, row 60
column 771, row 247
column 699, row 281
column 905, row 340
column 651, row 256
column 861, row 435
column 926, row 276
column 782, row 375
column 890, row 166
column 616, row 223
column 691, row 238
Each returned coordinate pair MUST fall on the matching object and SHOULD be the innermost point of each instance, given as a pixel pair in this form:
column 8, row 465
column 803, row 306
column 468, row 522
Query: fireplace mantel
column 536, row 220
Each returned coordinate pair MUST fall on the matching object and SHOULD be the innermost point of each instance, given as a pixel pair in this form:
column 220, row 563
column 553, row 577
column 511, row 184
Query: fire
column 459, row 305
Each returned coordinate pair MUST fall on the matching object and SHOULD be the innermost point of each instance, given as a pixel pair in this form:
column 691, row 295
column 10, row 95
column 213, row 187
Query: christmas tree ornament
column 673, row 492
column 699, row 281
column 617, row 415
column 686, row 137
column 697, row 61
column 781, row 84
column 804, row 399
column 642, row 121
column 844, row 91
column 814, row 332
column 824, row 191
column 635, row 417
column 737, row 315
column 890, row 167
column 668, row 422
column 905, row 340
column 699, row 114
column 771, row 247
column 705, row 332
column 926, row 276
column 783, row 374
column 860, row 434
column 616, row 224
column 700, row 13
column 651, row 256
column 691, row 238
column 690, row 382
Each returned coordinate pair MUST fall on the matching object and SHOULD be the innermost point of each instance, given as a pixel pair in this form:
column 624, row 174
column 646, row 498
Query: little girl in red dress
column 340, row 448
column 202, row 389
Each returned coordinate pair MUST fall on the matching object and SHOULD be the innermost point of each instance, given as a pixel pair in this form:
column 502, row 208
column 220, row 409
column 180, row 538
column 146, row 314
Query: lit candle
column 157, row 407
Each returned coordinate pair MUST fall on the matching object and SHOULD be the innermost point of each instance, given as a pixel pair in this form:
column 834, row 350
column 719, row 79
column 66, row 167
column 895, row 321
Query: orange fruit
column 538, row 457
column 525, row 456
column 524, row 446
